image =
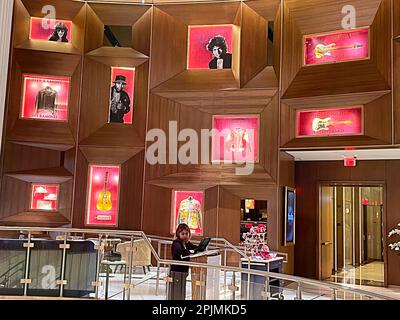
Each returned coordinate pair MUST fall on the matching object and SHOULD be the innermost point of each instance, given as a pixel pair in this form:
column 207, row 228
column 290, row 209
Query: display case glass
column 337, row 46
column 235, row 138
column 122, row 95
column 210, row 47
column 330, row 122
column 45, row 97
column 44, row 29
column 188, row 208
column 103, row 195
column 44, row 197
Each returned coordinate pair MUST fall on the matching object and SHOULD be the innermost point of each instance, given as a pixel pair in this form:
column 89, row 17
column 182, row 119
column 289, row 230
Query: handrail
column 266, row 274
column 234, row 248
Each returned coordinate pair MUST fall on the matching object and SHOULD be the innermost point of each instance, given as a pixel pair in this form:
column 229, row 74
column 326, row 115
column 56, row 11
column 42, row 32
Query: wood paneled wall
column 309, row 175
column 286, row 179
column 165, row 91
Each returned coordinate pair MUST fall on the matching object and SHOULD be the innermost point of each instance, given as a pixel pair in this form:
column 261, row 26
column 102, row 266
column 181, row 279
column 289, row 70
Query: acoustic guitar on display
column 324, row 124
column 322, row 50
column 104, row 201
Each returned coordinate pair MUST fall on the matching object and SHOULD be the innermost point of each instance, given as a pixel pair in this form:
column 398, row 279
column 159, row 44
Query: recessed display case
column 103, row 195
column 329, row 122
column 122, row 95
column 235, row 138
column 44, row 29
column 45, row 97
column 210, row 47
column 44, row 197
column 188, row 208
column 340, row 46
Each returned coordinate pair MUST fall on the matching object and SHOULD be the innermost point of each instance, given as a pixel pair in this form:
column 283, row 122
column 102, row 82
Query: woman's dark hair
column 182, row 227
column 217, row 41
column 59, row 26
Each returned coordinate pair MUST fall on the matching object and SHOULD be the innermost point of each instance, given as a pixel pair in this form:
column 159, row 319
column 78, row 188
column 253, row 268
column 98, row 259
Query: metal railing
column 247, row 277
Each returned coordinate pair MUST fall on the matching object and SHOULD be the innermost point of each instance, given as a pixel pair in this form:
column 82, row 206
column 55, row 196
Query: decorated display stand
column 260, row 258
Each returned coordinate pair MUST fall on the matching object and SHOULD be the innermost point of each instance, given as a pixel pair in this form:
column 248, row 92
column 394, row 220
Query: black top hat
column 120, row 79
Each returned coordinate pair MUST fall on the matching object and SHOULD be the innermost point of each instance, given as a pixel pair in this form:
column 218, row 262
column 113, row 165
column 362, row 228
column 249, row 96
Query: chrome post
column 267, row 291
column 130, row 268
column 225, row 261
column 248, row 281
column 63, row 261
column 201, row 284
column 299, row 295
column 27, row 262
column 334, row 295
column 158, row 267
column 234, row 285
column 98, row 267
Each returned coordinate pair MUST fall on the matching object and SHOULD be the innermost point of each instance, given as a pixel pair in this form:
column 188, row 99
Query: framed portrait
column 188, row 208
column 122, row 95
column 44, row 29
column 44, row 197
column 235, row 138
column 45, row 97
column 289, row 232
column 345, row 121
column 210, row 47
column 339, row 46
column 103, row 195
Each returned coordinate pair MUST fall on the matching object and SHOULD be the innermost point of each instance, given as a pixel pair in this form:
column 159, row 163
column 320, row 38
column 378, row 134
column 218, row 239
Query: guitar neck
column 347, row 47
column 105, row 181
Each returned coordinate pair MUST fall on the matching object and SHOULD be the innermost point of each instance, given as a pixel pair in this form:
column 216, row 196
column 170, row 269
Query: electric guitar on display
column 322, row 50
column 104, row 202
column 324, row 124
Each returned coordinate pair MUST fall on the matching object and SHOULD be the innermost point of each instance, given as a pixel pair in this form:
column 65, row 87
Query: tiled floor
column 147, row 290
column 371, row 274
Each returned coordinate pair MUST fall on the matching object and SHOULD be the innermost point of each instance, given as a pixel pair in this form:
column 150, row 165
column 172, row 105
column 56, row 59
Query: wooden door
column 327, row 236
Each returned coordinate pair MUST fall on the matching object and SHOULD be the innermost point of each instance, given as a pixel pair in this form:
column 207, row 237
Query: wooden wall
column 166, row 91
column 309, row 175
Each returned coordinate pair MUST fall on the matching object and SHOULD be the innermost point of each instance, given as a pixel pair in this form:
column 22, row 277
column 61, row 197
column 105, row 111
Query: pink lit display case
column 338, row 46
column 45, row 97
column 199, row 38
column 236, row 138
column 188, row 208
column 44, row 29
column 129, row 88
column 346, row 121
column 44, row 197
column 103, row 195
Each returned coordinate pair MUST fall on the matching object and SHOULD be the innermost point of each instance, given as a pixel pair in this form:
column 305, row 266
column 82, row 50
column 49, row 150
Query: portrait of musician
column 221, row 59
column 120, row 101
column 60, row 33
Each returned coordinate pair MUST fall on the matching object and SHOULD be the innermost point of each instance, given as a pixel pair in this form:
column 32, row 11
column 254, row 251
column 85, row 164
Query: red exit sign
column 350, row 161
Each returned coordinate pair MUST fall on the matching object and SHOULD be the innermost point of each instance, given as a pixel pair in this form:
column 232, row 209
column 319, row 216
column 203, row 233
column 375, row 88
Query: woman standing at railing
column 181, row 247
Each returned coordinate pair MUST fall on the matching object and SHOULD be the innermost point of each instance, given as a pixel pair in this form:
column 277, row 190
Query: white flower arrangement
column 395, row 246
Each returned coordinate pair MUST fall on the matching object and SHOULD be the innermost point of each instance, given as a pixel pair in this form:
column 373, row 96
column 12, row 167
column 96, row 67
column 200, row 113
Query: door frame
column 335, row 183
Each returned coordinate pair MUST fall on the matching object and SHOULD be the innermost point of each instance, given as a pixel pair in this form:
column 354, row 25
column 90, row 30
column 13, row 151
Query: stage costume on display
column 237, row 140
column 46, row 99
column 190, row 213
